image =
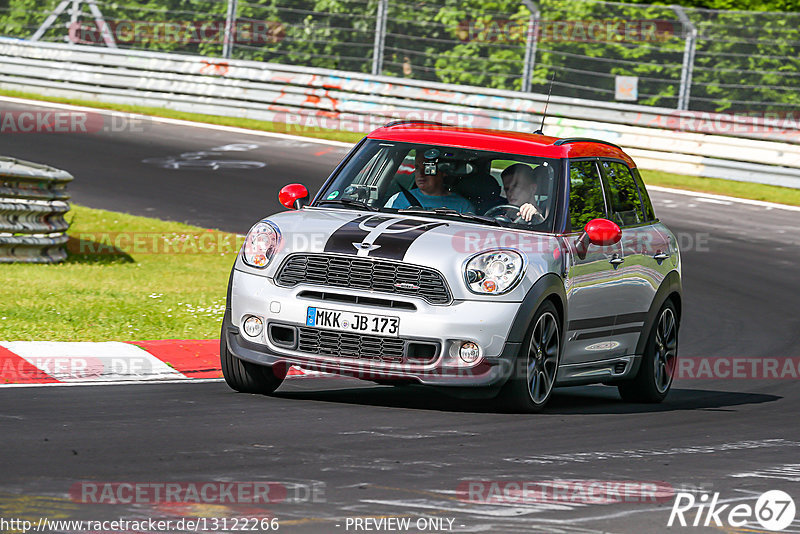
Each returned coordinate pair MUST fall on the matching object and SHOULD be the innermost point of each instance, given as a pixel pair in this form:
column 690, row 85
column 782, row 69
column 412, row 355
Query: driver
column 431, row 190
column 521, row 185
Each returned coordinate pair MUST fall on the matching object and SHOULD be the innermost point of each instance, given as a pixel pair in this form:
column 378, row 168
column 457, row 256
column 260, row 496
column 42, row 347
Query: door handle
column 661, row 256
column 616, row 261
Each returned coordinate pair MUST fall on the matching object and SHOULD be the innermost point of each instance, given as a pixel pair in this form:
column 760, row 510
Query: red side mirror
column 600, row 232
column 603, row 232
column 293, row 196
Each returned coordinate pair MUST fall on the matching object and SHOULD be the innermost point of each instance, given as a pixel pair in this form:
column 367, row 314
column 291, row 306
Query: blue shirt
column 429, row 202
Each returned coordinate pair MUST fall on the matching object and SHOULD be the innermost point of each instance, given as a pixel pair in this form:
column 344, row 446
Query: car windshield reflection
column 482, row 187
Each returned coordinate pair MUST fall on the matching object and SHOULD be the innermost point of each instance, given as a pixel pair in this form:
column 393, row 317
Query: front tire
column 536, row 367
column 246, row 377
column 659, row 361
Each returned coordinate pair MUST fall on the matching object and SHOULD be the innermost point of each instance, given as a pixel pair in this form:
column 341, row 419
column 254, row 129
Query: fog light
column 469, row 352
column 253, row 326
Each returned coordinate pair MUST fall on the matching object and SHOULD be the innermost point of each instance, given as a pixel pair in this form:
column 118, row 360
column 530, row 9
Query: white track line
column 723, row 198
column 122, row 383
column 178, row 122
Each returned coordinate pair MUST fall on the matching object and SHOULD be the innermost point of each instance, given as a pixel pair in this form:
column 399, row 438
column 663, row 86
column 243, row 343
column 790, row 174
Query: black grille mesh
column 346, row 345
column 360, row 273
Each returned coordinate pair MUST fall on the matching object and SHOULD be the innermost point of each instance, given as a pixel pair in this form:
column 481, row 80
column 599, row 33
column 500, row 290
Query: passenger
column 431, row 190
column 521, row 184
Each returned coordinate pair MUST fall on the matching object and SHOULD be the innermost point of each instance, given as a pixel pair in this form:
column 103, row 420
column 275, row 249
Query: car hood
column 444, row 245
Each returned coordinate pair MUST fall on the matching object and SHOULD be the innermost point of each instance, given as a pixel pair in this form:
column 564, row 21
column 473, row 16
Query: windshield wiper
column 451, row 213
column 350, row 202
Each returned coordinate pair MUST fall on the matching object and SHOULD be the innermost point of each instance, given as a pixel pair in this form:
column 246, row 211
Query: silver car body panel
column 606, row 305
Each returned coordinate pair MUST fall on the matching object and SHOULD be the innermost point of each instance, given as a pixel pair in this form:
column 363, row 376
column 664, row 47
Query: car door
column 642, row 245
column 660, row 242
column 592, row 277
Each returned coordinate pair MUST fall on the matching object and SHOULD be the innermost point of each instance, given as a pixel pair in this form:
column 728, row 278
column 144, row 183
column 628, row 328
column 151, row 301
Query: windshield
column 449, row 182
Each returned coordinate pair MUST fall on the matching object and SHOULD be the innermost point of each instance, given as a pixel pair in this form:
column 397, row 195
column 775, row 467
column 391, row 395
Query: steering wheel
column 503, row 211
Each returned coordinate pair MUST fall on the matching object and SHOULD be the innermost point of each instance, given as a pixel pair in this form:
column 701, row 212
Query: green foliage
column 745, row 62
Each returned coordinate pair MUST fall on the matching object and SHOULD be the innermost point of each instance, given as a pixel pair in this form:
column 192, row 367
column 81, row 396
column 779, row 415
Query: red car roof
column 526, row 144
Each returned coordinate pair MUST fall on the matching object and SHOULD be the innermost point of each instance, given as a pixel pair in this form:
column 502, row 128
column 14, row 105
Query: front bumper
column 484, row 323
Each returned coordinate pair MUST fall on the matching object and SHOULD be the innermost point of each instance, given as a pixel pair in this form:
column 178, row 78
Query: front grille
column 346, row 345
column 361, row 273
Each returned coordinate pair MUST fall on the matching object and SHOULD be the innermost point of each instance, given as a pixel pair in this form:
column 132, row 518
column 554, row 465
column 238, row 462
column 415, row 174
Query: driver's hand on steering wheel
column 527, row 211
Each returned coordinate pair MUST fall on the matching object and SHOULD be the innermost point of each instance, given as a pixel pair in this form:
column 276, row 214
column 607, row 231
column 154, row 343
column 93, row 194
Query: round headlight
column 494, row 272
column 260, row 244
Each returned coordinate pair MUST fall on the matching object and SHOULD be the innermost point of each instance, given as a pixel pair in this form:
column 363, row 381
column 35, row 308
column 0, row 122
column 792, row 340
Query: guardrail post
column 687, row 67
column 380, row 37
column 74, row 19
column 531, row 39
column 230, row 30
column 74, row 14
column 51, row 18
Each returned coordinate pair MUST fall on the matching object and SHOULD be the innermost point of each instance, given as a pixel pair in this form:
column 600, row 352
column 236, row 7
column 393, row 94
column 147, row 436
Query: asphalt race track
column 346, row 449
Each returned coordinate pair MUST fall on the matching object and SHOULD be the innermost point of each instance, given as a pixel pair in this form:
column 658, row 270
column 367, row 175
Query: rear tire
column 535, row 369
column 246, row 377
column 659, row 361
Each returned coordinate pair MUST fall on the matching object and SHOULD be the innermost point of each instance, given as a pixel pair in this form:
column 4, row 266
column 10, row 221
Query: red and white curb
column 112, row 362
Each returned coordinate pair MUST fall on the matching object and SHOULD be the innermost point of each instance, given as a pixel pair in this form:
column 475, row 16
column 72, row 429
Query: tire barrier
column 33, row 201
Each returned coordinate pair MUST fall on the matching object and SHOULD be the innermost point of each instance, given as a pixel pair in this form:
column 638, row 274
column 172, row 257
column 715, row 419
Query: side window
column 585, row 194
column 367, row 183
column 626, row 208
column 649, row 212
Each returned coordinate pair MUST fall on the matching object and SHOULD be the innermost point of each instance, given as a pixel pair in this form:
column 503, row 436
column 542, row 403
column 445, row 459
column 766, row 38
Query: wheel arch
column 548, row 287
column 670, row 289
column 677, row 300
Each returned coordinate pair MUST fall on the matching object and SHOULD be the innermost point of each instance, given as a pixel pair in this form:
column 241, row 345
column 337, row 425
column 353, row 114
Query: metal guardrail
column 33, row 201
column 666, row 55
column 754, row 150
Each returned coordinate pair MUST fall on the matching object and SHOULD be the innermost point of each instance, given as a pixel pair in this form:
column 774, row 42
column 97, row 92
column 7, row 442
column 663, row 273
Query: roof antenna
column 544, row 114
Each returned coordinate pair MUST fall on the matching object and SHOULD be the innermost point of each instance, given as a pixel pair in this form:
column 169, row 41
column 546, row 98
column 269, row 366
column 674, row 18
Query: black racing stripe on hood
column 377, row 236
column 342, row 239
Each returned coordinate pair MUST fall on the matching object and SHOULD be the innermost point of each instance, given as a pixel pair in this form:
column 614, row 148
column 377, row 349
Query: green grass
column 103, row 294
column 783, row 195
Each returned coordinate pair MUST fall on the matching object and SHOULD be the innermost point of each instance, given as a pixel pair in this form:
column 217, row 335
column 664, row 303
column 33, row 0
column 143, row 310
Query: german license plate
column 362, row 323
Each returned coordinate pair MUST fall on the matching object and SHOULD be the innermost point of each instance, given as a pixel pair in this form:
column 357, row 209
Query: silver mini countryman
column 481, row 262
